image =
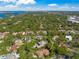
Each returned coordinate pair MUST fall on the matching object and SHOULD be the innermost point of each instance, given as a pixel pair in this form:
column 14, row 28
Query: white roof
column 10, row 56
column 69, row 37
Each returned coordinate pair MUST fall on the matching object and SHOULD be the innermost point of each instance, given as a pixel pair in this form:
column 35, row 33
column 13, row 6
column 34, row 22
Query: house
column 68, row 44
column 34, row 56
column 3, row 23
column 68, row 37
column 53, row 57
column 1, row 35
column 17, row 22
column 10, row 56
column 6, row 33
column 61, row 30
column 14, row 33
column 18, row 42
column 39, row 37
column 63, row 45
column 61, row 57
column 42, row 52
column 27, row 39
column 29, row 32
column 13, row 48
column 40, row 44
column 73, row 19
column 23, row 33
column 41, row 32
column 45, row 32
column 74, row 31
column 55, row 37
column 12, row 16
column 76, row 40
column 2, row 57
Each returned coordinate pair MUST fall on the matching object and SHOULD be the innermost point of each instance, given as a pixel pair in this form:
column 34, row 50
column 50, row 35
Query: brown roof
column 42, row 52
column 13, row 48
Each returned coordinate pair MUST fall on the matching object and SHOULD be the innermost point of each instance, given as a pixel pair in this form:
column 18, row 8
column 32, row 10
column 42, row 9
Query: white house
column 55, row 37
column 40, row 44
column 10, row 56
column 2, row 35
column 73, row 19
column 68, row 37
column 27, row 39
column 39, row 37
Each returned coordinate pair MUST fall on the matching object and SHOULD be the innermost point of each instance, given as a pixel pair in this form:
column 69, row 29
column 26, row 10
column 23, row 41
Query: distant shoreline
column 4, row 14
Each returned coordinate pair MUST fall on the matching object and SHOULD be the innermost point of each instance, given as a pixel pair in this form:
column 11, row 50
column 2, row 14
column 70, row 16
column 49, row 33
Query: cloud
column 25, row 2
column 18, row 2
column 31, row 5
column 63, row 7
column 15, row 8
column 8, row 1
column 11, row 6
column 52, row 5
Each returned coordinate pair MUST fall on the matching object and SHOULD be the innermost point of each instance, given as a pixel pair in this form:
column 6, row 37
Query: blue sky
column 38, row 5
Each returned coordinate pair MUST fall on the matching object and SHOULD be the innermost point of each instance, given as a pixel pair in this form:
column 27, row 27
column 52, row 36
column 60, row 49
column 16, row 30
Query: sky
column 39, row 5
